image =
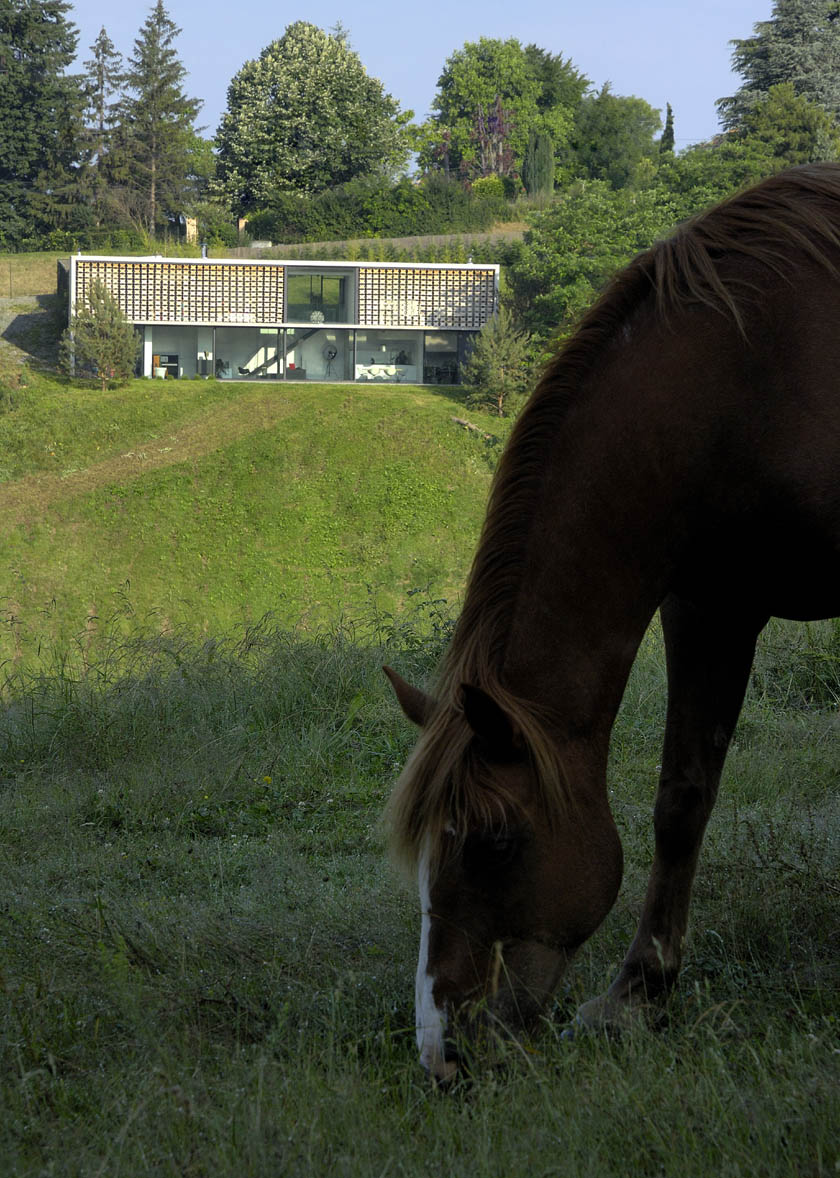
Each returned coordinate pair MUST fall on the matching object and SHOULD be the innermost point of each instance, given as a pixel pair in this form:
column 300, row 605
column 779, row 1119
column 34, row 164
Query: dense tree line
column 112, row 148
column 310, row 140
column 312, row 147
column 40, row 110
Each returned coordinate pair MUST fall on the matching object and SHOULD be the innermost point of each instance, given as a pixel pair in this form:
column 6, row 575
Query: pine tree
column 800, row 44
column 156, row 124
column 497, row 371
column 666, row 140
column 100, row 342
column 104, row 80
column 40, row 114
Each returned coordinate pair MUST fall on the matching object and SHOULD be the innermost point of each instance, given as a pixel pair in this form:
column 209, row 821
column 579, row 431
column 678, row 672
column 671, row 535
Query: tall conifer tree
column 800, row 44
column 156, row 123
column 666, row 139
column 102, row 83
column 538, row 165
column 40, row 117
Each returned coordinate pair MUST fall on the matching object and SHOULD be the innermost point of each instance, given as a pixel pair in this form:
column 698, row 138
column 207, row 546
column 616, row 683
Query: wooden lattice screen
column 395, row 297
column 177, row 292
column 220, row 292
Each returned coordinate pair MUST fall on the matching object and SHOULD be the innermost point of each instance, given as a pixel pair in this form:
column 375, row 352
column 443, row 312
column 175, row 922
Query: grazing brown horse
column 682, row 451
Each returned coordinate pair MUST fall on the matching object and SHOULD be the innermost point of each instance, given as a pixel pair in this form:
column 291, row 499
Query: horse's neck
column 575, row 631
column 596, row 563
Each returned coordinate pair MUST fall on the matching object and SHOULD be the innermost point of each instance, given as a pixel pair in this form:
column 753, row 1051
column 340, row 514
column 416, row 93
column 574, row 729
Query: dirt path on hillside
column 26, row 499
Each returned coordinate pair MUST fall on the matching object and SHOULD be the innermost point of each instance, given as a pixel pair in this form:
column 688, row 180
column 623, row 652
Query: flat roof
column 285, row 262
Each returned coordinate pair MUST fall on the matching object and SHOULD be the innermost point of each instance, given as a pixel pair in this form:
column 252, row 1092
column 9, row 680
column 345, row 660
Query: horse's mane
column 792, row 216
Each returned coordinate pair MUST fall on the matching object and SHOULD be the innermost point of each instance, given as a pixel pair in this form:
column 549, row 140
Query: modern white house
column 276, row 320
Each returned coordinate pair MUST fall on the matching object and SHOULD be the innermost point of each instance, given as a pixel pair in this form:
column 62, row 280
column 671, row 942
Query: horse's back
column 767, row 520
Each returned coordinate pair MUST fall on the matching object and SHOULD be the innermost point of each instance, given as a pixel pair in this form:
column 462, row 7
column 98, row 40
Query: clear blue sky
column 662, row 52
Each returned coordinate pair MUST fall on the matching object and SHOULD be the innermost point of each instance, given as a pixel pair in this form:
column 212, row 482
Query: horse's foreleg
column 709, row 656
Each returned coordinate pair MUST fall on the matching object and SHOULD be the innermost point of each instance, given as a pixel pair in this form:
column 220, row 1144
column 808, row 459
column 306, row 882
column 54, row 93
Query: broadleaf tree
column 303, row 117
column 614, row 136
column 538, row 91
column 573, row 247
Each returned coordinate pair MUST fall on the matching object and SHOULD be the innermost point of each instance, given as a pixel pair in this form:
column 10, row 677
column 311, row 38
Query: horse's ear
column 416, row 705
column 490, row 723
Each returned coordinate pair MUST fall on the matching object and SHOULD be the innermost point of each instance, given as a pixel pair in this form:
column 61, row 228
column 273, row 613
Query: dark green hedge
column 376, row 208
column 105, row 241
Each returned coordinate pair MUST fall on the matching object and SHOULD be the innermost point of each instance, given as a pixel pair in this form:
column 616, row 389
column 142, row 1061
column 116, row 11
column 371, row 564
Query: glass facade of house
column 321, row 321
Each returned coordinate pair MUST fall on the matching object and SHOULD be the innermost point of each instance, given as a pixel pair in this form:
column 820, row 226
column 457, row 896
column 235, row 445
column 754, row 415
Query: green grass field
column 212, row 504
column 28, row 274
column 206, row 960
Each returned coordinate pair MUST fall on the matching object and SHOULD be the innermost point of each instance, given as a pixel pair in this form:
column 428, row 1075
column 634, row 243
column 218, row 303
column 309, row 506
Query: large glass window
column 319, row 296
column 318, row 353
column 245, row 353
column 173, row 351
column 388, row 356
column 440, row 364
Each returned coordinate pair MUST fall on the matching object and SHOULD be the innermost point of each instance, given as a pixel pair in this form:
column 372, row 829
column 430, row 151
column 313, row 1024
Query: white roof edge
column 305, row 262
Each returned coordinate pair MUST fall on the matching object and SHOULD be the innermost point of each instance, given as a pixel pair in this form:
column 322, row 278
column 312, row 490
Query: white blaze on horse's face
column 430, row 1019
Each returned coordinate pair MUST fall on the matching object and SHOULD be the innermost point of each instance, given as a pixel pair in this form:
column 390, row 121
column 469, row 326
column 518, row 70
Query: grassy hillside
column 209, row 505
column 29, row 274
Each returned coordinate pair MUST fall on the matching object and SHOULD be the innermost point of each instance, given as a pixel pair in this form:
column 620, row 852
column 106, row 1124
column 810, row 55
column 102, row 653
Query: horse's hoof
column 614, row 1017
column 597, row 1015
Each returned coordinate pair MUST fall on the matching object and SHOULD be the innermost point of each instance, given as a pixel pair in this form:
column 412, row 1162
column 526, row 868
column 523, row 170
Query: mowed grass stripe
column 214, row 428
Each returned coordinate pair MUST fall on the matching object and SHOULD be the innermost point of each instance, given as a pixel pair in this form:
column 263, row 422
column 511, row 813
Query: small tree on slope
column 100, row 342
column 498, row 369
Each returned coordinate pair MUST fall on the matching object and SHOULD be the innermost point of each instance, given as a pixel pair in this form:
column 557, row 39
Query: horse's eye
column 504, row 847
column 490, row 851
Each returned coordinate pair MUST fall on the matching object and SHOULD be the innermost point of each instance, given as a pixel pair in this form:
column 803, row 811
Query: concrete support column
column 147, row 350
